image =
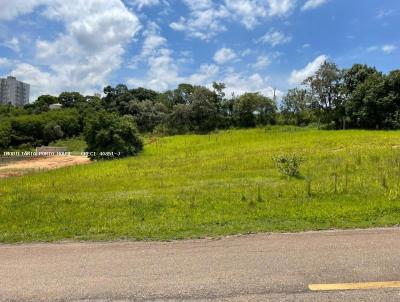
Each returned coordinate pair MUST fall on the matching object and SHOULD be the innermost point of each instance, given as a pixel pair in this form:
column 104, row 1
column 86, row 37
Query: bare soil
column 38, row 164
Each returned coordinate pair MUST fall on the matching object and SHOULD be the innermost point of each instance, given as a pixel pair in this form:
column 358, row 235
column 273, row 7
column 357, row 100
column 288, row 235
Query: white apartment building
column 14, row 92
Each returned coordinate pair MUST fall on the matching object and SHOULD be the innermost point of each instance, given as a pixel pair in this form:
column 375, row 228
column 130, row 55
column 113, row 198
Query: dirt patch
column 21, row 167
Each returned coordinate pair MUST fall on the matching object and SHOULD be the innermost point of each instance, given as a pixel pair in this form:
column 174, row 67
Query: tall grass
column 224, row 183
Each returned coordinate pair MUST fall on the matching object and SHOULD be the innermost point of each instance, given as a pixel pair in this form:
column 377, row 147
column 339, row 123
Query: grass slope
column 226, row 183
column 75, row 145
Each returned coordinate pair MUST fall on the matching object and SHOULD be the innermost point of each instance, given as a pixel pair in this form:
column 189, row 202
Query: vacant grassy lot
column 225, row 183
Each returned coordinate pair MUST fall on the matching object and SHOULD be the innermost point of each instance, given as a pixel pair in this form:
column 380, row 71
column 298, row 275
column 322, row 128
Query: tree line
column 332, row 98
column 114, row 122
column 359, row 97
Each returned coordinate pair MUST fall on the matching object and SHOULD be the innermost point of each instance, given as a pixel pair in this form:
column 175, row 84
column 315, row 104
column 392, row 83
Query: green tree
column 178, row 121
column 295, row 106
column 52, row 132
column 219, row 89
column 391, row 102
column 71, row 99
column 107, row 132
column 180, row 95
column 204, row 110
column 42, row 104
column 143, row 94
column 355, row 76
column 30, row 129
column 146, row 114
column 251, row 109
column 367, row 107
column 8, row 110
column 5, row 134
column 325, row 88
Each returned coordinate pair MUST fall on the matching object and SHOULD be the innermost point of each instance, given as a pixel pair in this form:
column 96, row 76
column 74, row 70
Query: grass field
column 74, row 145
column 224, row 183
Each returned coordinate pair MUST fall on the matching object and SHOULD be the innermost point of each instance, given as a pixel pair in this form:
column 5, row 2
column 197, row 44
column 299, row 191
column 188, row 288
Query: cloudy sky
column 251, row 45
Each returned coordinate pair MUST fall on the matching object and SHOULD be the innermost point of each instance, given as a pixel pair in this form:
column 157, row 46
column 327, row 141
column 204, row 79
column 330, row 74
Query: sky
column 250, row 45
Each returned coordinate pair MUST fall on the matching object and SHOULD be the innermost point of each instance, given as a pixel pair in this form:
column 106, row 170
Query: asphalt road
column 264, row 267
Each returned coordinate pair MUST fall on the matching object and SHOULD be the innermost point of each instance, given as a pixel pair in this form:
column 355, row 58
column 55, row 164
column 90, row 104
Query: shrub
column 5, row 134
column 52, row 132
column 109, row 133
column 289, row 164
column 253, row 109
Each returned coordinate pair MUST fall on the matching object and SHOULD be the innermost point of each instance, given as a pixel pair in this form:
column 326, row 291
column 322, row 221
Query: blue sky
column 251, row 45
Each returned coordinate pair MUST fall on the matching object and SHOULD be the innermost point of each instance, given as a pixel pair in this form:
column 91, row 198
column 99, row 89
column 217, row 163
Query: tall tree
column 325, row 89
column 355, row 76
column 295, row 105
column 71, row 99
column 204, row 109
column 365, row 107
column 143, row 94
column 251, row 109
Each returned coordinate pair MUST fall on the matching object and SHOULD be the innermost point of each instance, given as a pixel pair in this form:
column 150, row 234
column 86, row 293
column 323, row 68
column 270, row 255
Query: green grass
column 227, row 183
column 74, row 145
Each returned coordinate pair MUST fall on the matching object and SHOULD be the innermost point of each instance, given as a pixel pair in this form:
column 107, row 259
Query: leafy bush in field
column 10, row 110
column 5, row 134
column 52, row 132
column 44, row 128
column 107, row 132
column 289, row 164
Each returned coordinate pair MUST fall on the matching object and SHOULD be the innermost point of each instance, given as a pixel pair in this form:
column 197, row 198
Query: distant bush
column 108, row 133
column 38, row 129
column 289, row 164
column 328, row 126
column 5, row 134
column 252, row 109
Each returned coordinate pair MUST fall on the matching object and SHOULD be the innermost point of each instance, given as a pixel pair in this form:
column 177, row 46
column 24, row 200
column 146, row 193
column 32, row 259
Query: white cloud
column 206, row 17
column 12, row 8
column 153, row 40
column 281, row 7
column 383, row 13
column 206, row 74
column 262, row 62
column 246, row 52
column 41, row 82
column 298, row 76
column 204, row 21
column 372, row 48
column 143, row 3
column 250, row 12
column 247, row 12
column 162, row 68
column 236, row 82
column 4, row 62
column 239, row 84
column 163, row 72
column 389, row 48
column 13, row 44
column 83, row 56
column 312, row 4
column 275, row 38
column 224, row 55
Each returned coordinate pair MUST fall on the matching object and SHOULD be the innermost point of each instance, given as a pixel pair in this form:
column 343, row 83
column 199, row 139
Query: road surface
column 263, row 267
